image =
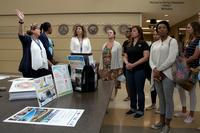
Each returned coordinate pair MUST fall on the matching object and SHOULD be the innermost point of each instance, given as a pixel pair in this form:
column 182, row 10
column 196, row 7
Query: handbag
column 182, row 74
column 121, row 78
column 102, row 73
column 110, row 73
column 147, row 70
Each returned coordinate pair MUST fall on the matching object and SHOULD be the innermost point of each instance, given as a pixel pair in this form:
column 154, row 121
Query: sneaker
column 180, row 114
column 188, row 119
column 130, row 112
column 157, row 126
column 138, row 114
column 165, row 129
column 157, row 111
column 151, row 107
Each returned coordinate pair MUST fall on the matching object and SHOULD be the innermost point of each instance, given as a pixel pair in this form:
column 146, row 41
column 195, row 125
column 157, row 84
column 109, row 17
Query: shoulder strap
column 170, row 41
column 169, row 45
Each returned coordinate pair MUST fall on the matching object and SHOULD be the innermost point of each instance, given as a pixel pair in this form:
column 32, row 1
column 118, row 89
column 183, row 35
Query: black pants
column 153, row 96
column 36, row 73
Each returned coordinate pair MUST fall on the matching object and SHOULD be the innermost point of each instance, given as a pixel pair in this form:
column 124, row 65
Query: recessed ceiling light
column 166, row 15
column 148, row 21
column 147, row 32
column 145, row 28
column 181, row 28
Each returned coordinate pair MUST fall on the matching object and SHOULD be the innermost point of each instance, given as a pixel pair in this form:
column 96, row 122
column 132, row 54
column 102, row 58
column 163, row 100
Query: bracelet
column 21, row 22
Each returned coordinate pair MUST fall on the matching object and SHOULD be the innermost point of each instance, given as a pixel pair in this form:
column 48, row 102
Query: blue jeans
column 136, row 81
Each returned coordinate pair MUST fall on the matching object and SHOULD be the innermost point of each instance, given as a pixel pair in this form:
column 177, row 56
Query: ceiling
column 177, row 10
column 174, row 11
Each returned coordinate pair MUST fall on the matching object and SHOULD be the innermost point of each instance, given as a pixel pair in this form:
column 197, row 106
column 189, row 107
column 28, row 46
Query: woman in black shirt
column 135, row 58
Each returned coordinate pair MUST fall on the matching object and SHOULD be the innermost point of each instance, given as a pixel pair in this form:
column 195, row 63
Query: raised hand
column 20, row 15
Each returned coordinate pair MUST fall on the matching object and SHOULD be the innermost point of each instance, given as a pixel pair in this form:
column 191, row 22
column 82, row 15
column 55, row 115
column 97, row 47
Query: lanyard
column 37, row 41
column 81, row 45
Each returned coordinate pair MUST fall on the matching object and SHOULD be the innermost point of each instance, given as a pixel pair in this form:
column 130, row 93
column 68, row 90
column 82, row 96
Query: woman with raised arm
column 34, row 59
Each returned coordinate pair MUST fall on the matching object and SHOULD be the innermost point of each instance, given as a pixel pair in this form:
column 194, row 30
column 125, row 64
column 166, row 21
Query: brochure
column 91, row 60
column 45, row 90
column 77, row 81
column 47, row 116
column 76, row 62
column 62, row 79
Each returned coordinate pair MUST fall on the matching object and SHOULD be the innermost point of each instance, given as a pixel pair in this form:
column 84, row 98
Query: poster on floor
column 62, row 79
column 47, row 116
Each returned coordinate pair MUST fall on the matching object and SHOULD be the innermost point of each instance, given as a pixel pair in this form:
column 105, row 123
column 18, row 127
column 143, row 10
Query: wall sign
column 166, row 5
column 93, row 29
column 63, row 29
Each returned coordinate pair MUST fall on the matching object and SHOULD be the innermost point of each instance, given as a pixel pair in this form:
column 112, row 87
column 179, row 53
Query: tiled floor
column 116, row 121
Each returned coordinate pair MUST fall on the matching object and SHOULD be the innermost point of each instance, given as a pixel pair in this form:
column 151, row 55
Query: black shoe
column 130, row 112
column 138, row 115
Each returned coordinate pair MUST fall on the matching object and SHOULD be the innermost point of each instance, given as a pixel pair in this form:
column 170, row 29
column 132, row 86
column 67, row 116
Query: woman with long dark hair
column 192, row 59
column 135, row 58
column 125, row 45
column 46, row 29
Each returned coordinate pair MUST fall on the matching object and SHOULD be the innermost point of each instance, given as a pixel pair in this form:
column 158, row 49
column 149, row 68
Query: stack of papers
column 4, row 77
column 20, row 79
column 22, row 90
column 42, row 88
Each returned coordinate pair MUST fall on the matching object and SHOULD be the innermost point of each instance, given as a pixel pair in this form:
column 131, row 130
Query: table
column 94, row 103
